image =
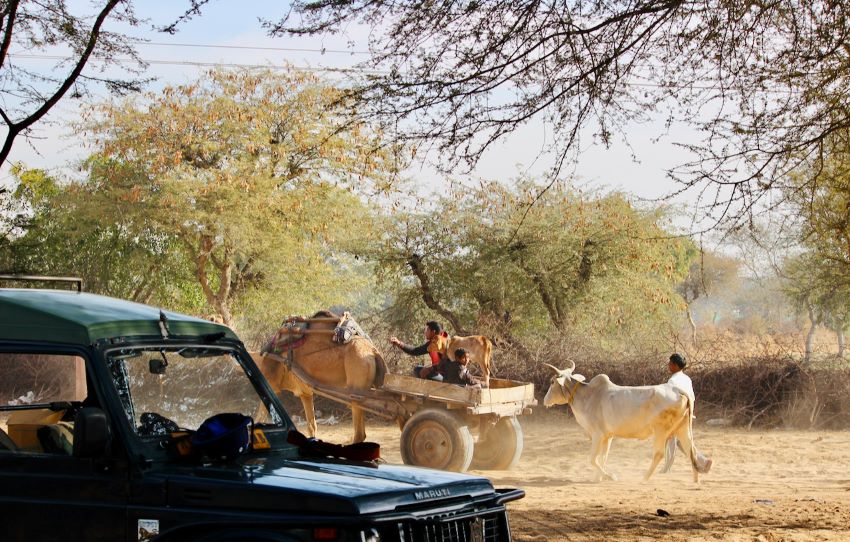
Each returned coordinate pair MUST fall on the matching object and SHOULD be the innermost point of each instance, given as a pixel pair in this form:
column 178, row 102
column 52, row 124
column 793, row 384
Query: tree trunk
column 549, row 302
column 415, row 264
column 218, row 300
column 693, row 326
column 839, row 333
column 811, row 334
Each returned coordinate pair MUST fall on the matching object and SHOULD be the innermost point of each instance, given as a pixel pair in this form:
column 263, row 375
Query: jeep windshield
column 169, row 390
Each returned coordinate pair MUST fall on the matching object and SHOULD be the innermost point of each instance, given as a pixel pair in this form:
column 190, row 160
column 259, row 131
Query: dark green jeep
column 99, row 403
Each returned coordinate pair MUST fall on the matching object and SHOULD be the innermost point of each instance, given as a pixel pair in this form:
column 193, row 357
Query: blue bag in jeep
column 223, row 436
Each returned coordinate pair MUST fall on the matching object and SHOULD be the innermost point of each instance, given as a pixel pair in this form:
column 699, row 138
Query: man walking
column 682, row 383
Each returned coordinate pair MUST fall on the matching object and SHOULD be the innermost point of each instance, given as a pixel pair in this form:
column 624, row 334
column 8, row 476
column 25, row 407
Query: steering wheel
column 152, row 424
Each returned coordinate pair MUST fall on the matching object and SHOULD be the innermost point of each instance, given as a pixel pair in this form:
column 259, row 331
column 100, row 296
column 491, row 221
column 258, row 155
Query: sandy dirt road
column 766, row 486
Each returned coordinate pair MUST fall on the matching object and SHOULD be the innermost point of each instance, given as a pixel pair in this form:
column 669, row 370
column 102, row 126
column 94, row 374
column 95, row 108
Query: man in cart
column 435, row 344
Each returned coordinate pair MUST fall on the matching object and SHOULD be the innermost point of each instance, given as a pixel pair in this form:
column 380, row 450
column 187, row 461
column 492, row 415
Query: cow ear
column 577, row 377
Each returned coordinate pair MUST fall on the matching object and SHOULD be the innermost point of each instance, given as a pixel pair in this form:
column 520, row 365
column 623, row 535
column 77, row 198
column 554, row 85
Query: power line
column 320, row 69
column 211, row 64
column 361, row 71
column 252, row 47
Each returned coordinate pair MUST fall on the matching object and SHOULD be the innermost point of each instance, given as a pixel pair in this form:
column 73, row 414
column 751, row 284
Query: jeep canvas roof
column 64, row 316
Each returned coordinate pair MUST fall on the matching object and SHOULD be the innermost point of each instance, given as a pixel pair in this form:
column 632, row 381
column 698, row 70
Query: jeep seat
column 6, row 442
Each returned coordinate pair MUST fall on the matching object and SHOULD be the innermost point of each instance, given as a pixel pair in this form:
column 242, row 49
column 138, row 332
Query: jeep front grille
column 485, row 528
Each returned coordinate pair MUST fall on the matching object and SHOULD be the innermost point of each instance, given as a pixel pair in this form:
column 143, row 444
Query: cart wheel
column 501, row 447
column 436, row 439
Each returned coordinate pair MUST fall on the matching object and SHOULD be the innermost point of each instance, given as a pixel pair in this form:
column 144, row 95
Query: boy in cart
column 457, row 372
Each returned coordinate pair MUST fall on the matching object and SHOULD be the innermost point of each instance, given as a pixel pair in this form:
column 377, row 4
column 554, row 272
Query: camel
column 355, row 366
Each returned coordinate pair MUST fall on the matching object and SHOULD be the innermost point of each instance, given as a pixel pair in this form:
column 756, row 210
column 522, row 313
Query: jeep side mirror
column 91, row 433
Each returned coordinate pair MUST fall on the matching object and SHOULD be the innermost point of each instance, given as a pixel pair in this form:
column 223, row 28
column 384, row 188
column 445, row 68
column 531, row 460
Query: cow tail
column 380, row 369
column 691, row 434
column 488, row 354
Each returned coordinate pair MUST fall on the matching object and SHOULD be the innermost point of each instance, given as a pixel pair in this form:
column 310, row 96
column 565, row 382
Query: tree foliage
column 52, row 237
column 583, row 263
column 709, row 273
column 766, row 82
column 250, row 172
column 823, row 208
column 819, row 278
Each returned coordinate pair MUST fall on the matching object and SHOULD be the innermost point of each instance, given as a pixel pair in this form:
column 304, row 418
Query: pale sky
column 229, row 33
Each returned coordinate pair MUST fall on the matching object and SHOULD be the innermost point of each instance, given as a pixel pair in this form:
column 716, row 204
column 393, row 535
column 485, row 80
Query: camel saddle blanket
column 347, row 330
column 290, row 340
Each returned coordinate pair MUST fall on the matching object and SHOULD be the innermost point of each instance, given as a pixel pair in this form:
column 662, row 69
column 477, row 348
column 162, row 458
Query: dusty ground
column 764, row 486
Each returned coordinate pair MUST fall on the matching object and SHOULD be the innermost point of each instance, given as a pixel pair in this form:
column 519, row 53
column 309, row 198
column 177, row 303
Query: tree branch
column 16, row 128
column 415, row 263
column 7, row 32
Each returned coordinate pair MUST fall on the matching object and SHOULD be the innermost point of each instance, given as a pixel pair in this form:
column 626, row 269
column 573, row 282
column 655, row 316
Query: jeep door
column 46, row 493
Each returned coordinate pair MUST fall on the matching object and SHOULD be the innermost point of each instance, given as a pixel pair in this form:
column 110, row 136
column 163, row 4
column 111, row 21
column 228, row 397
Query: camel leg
column 359, row 423
column 309, row 414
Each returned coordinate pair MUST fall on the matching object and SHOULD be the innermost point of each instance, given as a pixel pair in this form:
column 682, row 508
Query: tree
column 251, row 172
column 766, row 82
column 708, row 273
column 30, row 28
column 52, row 237
column 823, row 209
column 812, row 286
column 820, row 276
column 583, row 263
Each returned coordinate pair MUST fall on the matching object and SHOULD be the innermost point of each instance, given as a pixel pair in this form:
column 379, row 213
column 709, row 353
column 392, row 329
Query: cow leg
column 659, row 444
column 359, row 423
column 670, row 454
column 606, row 447
column 683, row 432
column 598, row 443
column 309, row 413
column 485, row 370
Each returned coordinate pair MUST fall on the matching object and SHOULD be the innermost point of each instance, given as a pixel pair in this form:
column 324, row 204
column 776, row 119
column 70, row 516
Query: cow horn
column 559, row 371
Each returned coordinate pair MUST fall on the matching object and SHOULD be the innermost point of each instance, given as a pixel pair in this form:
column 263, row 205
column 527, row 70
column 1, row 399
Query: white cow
column 606, row 410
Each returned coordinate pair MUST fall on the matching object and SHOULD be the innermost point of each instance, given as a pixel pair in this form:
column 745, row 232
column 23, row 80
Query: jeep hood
column 275, row 483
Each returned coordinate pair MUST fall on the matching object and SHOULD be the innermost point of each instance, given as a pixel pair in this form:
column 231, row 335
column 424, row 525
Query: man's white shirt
column 682, row 383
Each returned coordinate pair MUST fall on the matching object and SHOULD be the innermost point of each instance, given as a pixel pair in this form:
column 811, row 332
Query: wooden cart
column 446, row 426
